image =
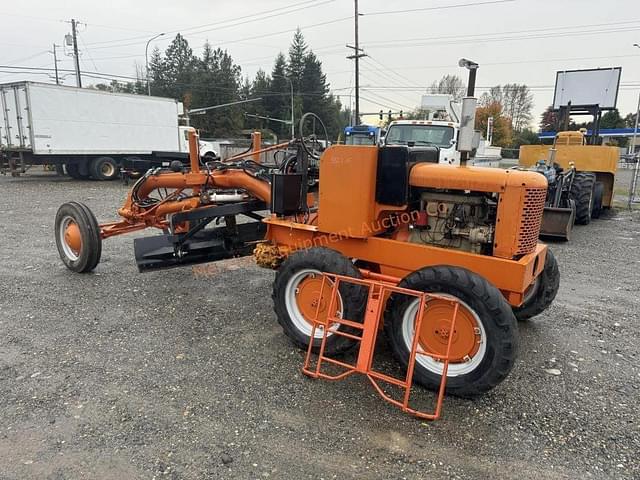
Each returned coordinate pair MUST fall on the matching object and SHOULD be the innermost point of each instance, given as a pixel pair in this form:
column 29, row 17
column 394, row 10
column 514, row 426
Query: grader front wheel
column 484, row 342
column 78, row 237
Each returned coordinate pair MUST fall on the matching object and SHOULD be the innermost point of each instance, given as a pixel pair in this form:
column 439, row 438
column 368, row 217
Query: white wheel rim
column 107, row 169
column 69, row 253
column 297, row 318
column 435, row 366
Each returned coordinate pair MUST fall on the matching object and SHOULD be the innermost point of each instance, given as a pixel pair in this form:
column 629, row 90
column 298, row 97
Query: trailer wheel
column 484, row 338
column 296, row 295
column 74, row 171
column 582, row 193
column 59, row 168
column 78, row 237
column 598, row 193
column 104, row 168
column 542, row 292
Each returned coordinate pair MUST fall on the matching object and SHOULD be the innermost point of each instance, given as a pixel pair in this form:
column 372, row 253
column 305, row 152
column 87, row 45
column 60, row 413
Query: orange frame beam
column 398, row 259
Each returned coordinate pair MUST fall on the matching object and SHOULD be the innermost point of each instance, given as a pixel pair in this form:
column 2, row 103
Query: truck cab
column 361, row 135
column 208, row 150
column 421, row 133
column 440, row 128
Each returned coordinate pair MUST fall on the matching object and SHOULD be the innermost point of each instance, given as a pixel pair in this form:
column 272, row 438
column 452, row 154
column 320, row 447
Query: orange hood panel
column 480, row 179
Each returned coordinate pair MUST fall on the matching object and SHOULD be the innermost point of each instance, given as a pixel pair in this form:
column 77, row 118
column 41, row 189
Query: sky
column 408, row 43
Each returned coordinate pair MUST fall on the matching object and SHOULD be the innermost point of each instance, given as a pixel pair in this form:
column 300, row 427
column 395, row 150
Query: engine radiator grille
column 532, row 210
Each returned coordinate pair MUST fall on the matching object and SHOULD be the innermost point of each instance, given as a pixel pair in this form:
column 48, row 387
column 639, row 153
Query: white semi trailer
column 91, row 132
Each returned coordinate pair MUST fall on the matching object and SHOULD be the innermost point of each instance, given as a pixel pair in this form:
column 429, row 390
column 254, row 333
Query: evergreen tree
column 178, row 66
column 277, row 102
column 297, row 56
column 217, row 81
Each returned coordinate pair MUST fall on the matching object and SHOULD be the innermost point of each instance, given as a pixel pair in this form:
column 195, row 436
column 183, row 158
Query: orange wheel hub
column 435, row 331
column 309, row 300
column 73, row 238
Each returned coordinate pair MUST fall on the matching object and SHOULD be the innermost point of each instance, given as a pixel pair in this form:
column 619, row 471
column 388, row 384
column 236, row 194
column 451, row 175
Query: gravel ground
column 185, row 374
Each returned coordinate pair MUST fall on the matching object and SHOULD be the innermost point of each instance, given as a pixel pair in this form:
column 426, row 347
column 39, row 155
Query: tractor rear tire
column 582, row 193
column 296, row 292
column 485, row 334
column 541, row 294
column 104, row 168
column 598, row 193
column 78, row 237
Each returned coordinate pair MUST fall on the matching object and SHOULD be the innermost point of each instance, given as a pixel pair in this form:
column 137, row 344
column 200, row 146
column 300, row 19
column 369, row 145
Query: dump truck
column 91, row 133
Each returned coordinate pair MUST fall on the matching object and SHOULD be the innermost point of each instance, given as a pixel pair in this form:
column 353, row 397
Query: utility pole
column 55, row 62
column 74, row 24
column 358, row 53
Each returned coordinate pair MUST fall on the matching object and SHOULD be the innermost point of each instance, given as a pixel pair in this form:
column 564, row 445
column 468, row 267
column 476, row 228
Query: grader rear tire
column 78, row 237
column 296, row 294
column 541, row 294
column 485, row 336
column 582, row 193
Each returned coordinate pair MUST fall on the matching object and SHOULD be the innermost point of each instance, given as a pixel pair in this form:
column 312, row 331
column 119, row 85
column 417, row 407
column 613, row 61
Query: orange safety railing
column 378, row 292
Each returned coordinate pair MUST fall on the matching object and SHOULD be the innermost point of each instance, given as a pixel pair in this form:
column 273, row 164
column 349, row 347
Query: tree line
column 213, row 78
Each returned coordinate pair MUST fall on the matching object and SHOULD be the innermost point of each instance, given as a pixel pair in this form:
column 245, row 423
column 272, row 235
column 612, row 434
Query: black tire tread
column 92, row 243
column 581, row 192
column 460, row 282
column 73, row 170
column 598, row 193
column 94, row 169
column 547, row 290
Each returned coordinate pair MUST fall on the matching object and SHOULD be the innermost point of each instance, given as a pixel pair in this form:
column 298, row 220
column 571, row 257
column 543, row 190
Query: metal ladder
column 367, row 333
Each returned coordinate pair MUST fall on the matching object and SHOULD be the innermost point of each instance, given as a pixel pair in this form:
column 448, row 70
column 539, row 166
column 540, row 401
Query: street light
column 146, row 58
column 293, row 135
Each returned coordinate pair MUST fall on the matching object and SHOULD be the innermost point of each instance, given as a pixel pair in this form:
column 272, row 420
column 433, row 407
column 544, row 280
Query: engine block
column 455, row 220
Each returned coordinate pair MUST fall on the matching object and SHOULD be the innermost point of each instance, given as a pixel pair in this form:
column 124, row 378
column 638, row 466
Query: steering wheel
column 317, row 138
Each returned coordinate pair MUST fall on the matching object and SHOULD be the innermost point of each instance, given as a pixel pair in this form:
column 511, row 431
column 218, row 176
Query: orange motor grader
column 388, row 213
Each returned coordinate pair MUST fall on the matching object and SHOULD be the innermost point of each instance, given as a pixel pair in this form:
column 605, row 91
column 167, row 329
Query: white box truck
column 91, row 132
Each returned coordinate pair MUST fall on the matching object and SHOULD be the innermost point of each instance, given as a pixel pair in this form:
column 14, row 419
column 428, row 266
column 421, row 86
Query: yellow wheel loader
column 592, row 186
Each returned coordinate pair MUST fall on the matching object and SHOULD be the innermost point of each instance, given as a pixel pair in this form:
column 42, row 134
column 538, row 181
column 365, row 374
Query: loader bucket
column 557, row 222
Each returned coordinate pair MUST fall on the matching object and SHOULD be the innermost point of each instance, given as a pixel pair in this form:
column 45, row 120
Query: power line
column 509, row 62
column 401, row 77
column 265, row 14
column 442, row 7
column 562, row 28
column 495, row 38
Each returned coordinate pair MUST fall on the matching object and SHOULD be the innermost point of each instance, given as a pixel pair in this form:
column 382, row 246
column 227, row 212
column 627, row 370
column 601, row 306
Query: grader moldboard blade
column 557, row 222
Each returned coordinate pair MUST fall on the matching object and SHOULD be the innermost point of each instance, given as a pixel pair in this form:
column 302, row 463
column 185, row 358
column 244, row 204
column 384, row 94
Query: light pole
column 293, row 134
column 635, row 130
column 146, row 59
